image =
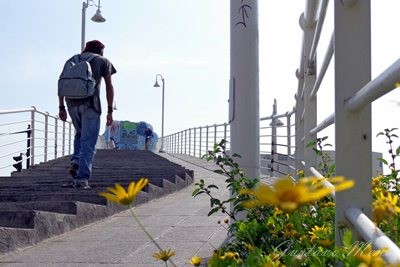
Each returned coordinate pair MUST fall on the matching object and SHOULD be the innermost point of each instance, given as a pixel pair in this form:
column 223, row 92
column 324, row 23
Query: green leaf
column 199, row 193
column 194, row 193
column 348, row 238
column 212, row 211
column 398, row 151
column 312, row 143
column 383, row 161
column 324, row 138
column 219, row 171
column 212, row 186
column 332, row 168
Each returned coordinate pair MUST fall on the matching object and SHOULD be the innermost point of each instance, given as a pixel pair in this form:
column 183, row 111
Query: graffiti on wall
column 128, row 135
column 244, row 12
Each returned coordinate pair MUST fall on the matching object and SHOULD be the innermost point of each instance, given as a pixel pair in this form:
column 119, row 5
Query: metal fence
column 29, row 136
column 276, row 142
column 354, row 92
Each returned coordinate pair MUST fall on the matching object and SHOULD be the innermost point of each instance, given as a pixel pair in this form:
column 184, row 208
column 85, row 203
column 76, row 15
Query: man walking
column 85, row 115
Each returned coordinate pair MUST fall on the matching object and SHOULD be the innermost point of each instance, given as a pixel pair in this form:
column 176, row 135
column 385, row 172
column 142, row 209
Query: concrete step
column 32, row 226
column 34, row 205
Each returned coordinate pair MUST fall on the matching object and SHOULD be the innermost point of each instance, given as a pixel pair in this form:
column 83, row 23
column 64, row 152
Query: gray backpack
column 76, row 80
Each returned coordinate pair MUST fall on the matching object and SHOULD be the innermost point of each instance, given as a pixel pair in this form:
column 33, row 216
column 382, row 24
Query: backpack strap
column 91, row 57
column 78, row 58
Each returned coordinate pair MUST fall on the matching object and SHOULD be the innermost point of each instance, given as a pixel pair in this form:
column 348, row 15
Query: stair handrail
column 43, row 131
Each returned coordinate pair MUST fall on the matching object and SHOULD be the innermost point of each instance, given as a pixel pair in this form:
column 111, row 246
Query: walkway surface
column 177, row 221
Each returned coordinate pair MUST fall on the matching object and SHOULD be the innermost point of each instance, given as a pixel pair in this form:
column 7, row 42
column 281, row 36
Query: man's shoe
column 72, row 184
column 76, row 183
column 74, row 170
column 84, row 184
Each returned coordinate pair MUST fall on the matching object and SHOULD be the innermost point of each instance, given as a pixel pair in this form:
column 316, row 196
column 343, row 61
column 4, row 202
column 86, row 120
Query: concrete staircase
column 34, row 206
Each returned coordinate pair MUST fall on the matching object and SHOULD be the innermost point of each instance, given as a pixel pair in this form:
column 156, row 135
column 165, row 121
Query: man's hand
column 109, row 119
column 62, row 114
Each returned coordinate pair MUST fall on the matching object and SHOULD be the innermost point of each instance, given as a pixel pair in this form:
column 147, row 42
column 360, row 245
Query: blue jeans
column 86, row 122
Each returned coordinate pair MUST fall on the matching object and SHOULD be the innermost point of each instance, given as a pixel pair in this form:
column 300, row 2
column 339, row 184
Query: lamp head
column 98, row 17
column 156, row 84
column 278, row 123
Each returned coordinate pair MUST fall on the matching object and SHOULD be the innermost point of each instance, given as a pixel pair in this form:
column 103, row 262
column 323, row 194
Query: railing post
column 32, row 144
column 55, row 137
column 273, row 138
column 185, row 140
column 172, row 143
column 289, row 133
column 176, row 143
column 166, row 143
column 46, row 134
column 200, row 142
column 194, row 141
column 70, row 139
column 206, row 139
column 353, row 144
column 28, row 146
column 215, row 134
column 190, row 140
column 181, row 142
column 63, row 139
column 289, row 143
column 225, row 126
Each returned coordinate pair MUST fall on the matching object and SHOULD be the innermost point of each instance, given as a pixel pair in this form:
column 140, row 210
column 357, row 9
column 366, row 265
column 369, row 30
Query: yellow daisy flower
column 288, row 195
column 195, row 261
column 249, row 246
column 120, row 196
column 376, row 181
column 384, row 207
column 230, row 255
column 164, row 255
column 368, row 256
column 290, row 233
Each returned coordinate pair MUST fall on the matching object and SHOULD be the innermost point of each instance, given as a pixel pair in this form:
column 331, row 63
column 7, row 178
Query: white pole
column 244, row 69
column 274, row 155
column 162, row 117
column 310, row 70
column 353, row 156
column 84, row 7
column 244, row 116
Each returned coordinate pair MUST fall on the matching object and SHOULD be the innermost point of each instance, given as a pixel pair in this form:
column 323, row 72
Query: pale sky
column 187, row 41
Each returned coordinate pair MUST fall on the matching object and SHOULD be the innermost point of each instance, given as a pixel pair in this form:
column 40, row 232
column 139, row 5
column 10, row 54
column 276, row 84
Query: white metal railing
column 198, row 140
column 276, row 142
column 352, row 68
column 32, row 136
column 354, row 92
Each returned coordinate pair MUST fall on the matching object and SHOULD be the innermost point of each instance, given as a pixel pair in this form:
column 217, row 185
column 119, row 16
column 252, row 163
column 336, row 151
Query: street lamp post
column 162, row 112
column 96, row 18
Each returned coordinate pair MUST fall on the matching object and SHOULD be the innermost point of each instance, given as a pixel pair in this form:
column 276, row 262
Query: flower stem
column 146, row 232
